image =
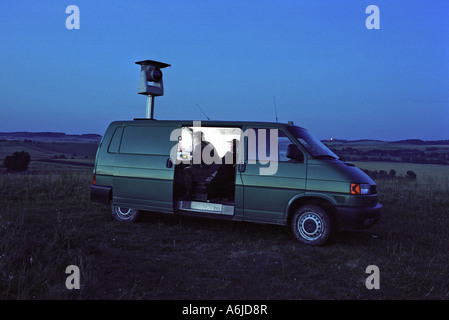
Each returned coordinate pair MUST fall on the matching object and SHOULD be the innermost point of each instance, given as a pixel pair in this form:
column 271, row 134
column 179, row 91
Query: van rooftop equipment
column 150, row 71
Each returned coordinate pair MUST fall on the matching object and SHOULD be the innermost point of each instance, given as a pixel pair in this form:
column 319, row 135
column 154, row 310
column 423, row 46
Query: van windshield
column 316, row 148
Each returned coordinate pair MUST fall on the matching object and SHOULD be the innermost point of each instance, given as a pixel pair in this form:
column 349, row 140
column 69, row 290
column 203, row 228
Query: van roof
column 204, row 123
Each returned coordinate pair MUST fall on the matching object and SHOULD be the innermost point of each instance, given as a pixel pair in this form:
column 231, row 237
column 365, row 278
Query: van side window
column 258, row 151
column 283, row 143
column 147, row 140
column 115, row 140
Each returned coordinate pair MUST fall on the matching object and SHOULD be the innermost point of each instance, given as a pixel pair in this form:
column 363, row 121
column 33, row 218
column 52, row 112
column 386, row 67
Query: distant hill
column 422, row 142
column 93, row 137
column 406, row 141
column 50, row 136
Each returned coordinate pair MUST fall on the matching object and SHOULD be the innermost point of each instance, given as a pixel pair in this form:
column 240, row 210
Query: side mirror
column 293, row 152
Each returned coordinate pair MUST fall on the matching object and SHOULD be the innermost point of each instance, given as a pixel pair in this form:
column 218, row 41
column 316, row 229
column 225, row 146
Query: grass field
column 51, row 156
column 48, row 223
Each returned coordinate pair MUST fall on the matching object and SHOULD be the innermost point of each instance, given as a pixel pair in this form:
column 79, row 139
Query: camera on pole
column 150, row 82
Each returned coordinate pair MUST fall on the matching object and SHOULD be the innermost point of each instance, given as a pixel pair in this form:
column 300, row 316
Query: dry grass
column 48, row 223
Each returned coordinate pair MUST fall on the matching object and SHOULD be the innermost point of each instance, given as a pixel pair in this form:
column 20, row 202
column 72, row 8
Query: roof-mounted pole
column 150, row 71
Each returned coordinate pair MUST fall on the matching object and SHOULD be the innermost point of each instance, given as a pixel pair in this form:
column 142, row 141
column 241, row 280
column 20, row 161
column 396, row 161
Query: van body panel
column 104, row 180
column 105, row 159
column 239, row 198
column 148, row 184
column 266, row 196
column 336, row 170
column 334, row 176
column 141, row 178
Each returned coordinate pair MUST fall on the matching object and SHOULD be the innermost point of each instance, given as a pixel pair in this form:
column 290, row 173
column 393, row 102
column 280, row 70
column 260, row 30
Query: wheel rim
column 310, row 226
column 124, row 213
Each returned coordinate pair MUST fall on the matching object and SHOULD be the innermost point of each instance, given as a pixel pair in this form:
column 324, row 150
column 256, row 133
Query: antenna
column 203, row 112
column 150, row 71
column 275, row 109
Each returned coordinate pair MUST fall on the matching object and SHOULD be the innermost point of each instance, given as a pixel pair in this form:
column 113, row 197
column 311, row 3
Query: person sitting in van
column 204, row 163
column 231, row 156
column 223, row 182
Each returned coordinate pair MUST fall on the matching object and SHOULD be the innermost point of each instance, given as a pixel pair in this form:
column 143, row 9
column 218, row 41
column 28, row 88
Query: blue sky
column 326, row 70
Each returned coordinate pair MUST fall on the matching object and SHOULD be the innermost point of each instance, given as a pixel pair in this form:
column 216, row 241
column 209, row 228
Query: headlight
column 360, row 188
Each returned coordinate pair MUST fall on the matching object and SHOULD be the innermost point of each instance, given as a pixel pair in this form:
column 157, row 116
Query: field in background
column 424, row 172
column 48, row 222
column 52, row 155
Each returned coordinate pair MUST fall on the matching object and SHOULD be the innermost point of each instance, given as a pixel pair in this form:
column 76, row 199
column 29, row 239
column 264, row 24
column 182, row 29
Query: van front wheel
column 311, row 225
column 124, row 214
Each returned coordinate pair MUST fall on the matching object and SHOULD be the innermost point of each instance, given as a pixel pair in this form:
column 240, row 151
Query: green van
column 260, row 172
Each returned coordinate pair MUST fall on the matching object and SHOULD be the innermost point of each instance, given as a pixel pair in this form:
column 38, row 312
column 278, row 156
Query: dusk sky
column 327, row 71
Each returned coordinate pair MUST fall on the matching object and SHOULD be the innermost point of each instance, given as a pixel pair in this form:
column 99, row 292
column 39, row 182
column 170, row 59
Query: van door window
column 259, row 150
column 283, row 143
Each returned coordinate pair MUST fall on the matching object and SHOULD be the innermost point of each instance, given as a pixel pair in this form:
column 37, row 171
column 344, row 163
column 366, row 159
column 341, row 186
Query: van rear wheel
column 124, row 214
column 311, row 225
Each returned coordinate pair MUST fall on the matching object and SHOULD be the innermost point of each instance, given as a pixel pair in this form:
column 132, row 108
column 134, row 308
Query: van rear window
column 115, row 141
column 146, row 140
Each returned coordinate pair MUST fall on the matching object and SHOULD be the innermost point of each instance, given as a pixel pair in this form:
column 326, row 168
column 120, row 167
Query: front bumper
column 358, row 218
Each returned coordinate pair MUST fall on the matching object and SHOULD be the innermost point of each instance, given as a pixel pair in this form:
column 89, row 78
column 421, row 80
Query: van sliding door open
column 205, row 170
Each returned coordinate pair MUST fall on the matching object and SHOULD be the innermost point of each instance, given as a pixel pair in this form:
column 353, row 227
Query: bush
column 411, row 175
column 18, row 162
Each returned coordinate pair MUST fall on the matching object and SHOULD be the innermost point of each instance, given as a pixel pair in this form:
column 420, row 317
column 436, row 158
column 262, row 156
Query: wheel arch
column 322, row 201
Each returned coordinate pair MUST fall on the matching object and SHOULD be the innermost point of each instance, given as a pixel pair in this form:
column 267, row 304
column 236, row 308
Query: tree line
column 391, row 175
column 430, row 155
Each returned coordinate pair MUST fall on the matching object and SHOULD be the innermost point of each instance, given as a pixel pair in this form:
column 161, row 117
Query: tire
column 124, row 214
column 311, row 225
